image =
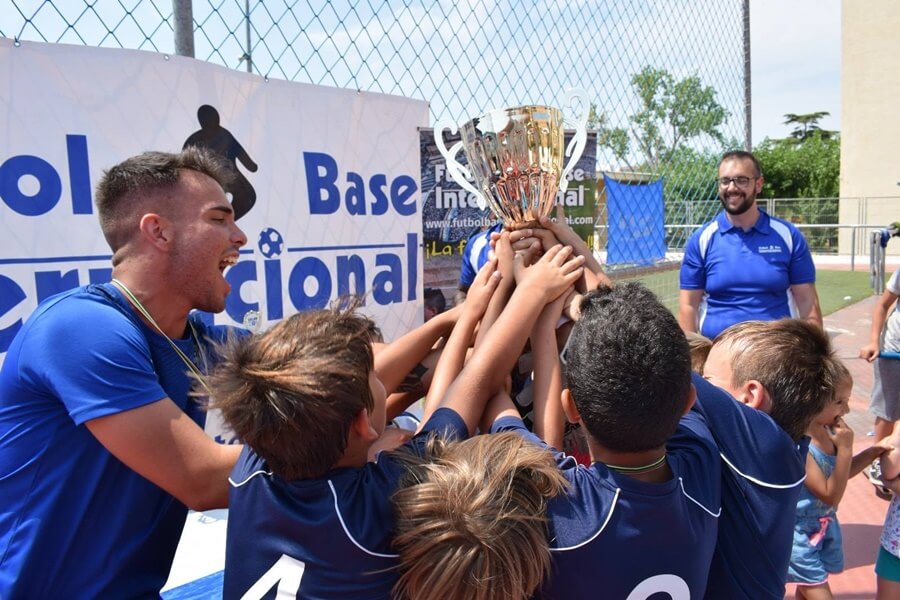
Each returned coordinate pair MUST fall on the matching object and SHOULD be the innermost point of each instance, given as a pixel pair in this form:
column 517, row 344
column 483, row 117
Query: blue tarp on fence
column 637, row 232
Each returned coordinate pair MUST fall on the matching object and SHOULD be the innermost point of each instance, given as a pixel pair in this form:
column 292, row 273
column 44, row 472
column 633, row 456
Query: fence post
column 183, row 15
column 249, row 53
column 853, row 247
column 748, row 95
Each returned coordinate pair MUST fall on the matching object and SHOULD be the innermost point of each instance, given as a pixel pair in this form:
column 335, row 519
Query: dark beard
column 743, row 207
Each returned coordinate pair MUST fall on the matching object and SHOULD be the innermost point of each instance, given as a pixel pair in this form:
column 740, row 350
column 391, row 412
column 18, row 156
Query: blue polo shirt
column 746, row 275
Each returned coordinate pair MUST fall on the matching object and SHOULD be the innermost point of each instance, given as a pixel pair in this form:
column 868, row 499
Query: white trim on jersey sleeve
column 477, row 246
column 612, row 508
column 705, row 237
column 702, row 310
column 337, row 510
column 783, row 232
column 763, row 483
column 697, row 502
column 237, row 484
column 792, row 304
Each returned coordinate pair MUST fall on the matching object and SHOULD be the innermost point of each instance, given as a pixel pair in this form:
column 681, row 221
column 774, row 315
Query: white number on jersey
column 286, row 572
column 673, row 585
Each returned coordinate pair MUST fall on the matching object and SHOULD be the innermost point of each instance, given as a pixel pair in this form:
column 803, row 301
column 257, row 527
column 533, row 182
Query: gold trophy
column 515, row 156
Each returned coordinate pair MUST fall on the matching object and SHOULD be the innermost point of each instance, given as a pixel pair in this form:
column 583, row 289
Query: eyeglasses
column 739, row 181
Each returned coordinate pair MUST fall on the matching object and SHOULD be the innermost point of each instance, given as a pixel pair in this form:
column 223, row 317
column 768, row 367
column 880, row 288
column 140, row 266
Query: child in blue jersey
column 818, row 549
column 309, row 515
column 473, row 527
column 642, row 518
column 782, row 373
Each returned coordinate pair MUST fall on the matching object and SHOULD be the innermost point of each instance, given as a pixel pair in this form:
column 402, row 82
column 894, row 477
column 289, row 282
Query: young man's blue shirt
column 75, row 522
column 746, row 275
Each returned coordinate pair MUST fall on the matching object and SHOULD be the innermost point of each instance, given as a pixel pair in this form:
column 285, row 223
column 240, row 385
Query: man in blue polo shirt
column 745, row 265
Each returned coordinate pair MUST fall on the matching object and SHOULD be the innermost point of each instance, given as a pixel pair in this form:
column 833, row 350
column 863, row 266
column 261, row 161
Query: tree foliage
column 614, row 138
column 672, row 112
column 807, row 125
column 808, row 169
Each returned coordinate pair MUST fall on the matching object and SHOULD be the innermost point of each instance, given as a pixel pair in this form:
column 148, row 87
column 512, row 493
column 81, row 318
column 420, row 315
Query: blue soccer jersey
column 762, row 477
column 323, row 537
column 475, row 254
column 75, row 522
column 612, row 536
column 745, row 275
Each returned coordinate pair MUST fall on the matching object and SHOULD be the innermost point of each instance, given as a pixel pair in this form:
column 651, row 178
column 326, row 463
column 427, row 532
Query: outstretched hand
column 482, row 289
column 560, row 228
column 553, row 274
column 869, row 352
column 522, row 242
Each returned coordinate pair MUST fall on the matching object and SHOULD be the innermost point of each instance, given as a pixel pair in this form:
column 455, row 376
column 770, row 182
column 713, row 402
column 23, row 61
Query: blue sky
column 796, row 62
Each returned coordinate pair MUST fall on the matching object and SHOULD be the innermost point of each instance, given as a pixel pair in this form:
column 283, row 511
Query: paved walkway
column 861, row 512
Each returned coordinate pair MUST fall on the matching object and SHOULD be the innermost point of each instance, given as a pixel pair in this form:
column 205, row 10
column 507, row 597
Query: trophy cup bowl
column 515, row 156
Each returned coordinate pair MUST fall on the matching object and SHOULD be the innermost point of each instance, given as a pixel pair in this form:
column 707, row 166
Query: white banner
column 334, row 174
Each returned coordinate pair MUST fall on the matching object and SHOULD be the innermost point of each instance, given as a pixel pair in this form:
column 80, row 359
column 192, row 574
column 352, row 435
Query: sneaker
column 873, row 474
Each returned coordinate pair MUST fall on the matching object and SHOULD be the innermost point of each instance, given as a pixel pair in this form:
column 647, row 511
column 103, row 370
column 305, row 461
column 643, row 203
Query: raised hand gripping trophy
column 516, row 157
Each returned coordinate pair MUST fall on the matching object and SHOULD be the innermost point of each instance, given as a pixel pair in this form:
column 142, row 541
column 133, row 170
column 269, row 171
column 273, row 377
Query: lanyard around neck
column 132, row 299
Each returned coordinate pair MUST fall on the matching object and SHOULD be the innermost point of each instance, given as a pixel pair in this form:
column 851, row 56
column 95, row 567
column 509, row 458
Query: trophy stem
column 517, row 225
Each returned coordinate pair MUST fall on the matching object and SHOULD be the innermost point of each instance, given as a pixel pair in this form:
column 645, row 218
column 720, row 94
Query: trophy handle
column 576, row 146
column 457, row 172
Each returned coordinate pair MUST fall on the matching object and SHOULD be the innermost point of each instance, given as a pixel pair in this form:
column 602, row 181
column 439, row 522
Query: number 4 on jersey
column 286, row 572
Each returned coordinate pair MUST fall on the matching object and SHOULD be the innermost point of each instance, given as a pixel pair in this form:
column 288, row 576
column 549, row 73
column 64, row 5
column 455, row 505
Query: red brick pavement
column 861, row 512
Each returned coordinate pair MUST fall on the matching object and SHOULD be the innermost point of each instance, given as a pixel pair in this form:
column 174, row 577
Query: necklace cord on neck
column 642, row 469
column 132, row 299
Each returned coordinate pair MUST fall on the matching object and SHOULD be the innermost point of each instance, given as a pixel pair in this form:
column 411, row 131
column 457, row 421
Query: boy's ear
column 568, row 404
column 691, row 399
column 362, row 427
column 754, row 394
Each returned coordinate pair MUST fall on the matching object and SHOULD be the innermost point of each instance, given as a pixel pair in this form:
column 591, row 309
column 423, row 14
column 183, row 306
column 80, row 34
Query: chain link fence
column 666, row 77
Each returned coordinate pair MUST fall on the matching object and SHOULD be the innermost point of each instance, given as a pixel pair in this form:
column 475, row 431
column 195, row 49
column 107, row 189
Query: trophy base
column 521, row 225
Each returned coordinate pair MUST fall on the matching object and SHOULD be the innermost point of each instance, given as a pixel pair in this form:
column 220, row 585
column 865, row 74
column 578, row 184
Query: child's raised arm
column 865, row 457
column 499, row 406
column 523, row 244
column 549, row 419
column 395, row 361
column 536, row 285
column 830, row 490
column 453, row 355
column 593, row 270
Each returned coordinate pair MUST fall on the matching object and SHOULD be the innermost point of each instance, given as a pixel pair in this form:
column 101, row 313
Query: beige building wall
column 870, row 117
